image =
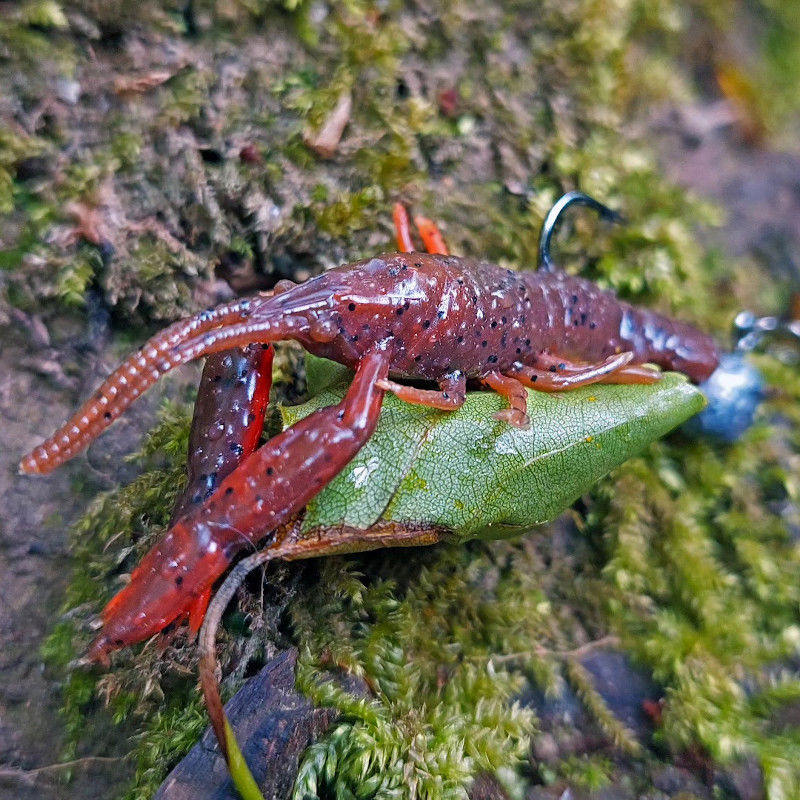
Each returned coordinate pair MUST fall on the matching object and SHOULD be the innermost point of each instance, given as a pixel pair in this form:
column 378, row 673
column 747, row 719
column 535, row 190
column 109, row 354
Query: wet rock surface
column 759, row 189
column 41, row 386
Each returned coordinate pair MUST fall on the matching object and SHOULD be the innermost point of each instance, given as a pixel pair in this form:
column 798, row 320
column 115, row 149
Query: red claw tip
column 98, row 652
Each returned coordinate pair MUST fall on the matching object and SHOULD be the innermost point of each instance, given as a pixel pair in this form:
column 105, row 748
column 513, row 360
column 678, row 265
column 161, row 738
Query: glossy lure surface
column 427, row 316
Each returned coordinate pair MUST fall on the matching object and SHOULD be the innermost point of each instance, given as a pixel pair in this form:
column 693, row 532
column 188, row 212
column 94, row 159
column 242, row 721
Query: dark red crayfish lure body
column 444, row 313
column 406, row 315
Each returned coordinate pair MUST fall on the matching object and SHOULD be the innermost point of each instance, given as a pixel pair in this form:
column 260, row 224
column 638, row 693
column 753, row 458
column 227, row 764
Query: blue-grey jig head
column 734, row 392
column 736, row 388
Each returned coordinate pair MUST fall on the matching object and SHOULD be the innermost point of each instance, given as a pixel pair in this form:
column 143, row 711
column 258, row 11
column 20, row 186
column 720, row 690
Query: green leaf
column 477, row 476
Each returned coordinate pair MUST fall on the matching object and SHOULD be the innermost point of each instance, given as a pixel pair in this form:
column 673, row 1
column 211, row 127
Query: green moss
column 186, row 97
column 13, row 149
column 782, row 61
column 346, row 214
column 436, row 714
column 687, row 556
column 76, row 275
column 126, row 147
column 34, row 31
column 78, row 689
column 587, row 772
column 168, row 735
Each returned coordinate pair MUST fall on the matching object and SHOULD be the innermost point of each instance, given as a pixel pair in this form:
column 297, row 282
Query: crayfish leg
column 197, row 611
column 514, row 392
column 450, row 395
column 431, row 235
column 629, row 373
column 564, row 375
column 405, row 244
column 634, row 373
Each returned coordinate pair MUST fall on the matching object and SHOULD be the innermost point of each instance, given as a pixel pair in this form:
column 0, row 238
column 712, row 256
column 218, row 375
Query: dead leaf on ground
column 138, row 84
column 326, row 142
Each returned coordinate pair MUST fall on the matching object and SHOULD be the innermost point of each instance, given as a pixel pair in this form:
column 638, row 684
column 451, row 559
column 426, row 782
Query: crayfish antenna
column 132, row 378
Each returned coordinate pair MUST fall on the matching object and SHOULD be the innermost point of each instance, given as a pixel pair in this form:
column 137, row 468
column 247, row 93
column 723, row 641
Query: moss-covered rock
column 145, row 156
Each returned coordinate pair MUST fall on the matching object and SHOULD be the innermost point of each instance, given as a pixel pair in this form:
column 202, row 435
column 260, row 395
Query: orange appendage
column 133, row 377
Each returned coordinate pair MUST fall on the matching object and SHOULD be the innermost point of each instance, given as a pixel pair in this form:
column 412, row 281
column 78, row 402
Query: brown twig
column 538, row 650
column 207, row 641
column 30, row 775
